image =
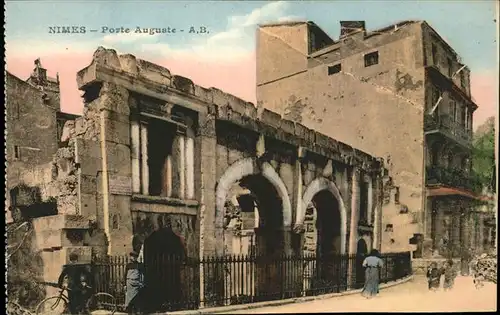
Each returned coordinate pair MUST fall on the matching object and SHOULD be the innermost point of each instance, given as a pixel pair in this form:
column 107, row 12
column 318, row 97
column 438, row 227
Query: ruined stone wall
column 378, row 109
column 31, row 127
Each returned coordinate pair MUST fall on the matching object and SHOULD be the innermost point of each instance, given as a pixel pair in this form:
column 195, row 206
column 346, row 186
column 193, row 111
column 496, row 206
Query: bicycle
column 96, row 303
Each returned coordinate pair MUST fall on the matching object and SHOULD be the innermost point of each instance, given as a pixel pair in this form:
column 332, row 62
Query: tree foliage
column 24, row 265
column 483, row 154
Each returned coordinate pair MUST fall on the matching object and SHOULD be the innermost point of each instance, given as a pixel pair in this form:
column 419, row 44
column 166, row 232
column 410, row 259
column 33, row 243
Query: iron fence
column 175, row 283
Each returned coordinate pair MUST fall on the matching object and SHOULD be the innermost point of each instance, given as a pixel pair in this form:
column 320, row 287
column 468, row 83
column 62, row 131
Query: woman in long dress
column 372, row 265
column 134, row 277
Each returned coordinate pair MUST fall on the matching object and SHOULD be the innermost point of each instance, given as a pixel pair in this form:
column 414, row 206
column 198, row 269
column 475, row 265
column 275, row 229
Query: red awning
column 449, row 191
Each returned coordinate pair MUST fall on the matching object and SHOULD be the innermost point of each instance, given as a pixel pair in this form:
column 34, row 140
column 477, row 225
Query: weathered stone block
column 271, row 118
column 203, row 93
column 112, row 115
column 115, row 98
column 128, row 63
column 59, row 222
column 68, row 204
column 59, row 238
column 86, row 148
column 117, row 131
column 183, row 84
column 154, row 72
column 88, row 205
column 88, row 184
column 90, row 165
column 119, row 159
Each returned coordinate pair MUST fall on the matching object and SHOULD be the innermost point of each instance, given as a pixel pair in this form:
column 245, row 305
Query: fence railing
column 174, row 283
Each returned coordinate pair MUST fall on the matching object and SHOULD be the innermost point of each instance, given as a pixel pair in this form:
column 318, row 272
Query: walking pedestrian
column 372, row 265
column 134, row 279
column 449, row 275
column 433, row 276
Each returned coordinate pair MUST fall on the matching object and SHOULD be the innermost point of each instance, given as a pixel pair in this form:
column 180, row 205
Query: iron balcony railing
column 175, row 283
column 453, row 178
column 449, row 127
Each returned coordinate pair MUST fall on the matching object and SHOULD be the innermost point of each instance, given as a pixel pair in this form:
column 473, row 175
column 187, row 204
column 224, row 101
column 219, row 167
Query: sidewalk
column 412, row 296
column 232, row 309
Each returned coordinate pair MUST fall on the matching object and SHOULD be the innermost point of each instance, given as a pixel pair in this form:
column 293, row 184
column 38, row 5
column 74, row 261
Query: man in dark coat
column 76, row 278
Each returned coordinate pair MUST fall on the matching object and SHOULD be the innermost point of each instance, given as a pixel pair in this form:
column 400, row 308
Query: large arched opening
column 324, row 222
column 254, row 208
column 164, row 254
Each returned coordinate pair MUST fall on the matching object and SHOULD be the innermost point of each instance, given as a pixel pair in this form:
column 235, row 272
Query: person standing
column 372, row 265
column 433, row 276
column 134, row 279
column 449, row 275
column 76, row 278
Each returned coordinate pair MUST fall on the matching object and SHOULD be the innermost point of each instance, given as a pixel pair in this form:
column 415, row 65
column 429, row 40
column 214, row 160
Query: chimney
column 351, row 27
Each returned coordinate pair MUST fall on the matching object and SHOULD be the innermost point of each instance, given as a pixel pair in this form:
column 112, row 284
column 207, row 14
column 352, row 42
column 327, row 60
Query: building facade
column 400, row 93
column 160, row 165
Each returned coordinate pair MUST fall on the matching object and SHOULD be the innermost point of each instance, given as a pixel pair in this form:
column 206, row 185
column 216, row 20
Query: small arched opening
column 164, row 254
column 361, row 253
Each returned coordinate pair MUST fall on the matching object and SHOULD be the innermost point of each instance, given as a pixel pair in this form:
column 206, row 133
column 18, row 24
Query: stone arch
column 312, row 189
column 236, row 172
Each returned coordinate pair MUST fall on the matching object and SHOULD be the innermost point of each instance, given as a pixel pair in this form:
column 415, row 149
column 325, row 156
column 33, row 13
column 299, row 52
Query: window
column 434, row 54
column 334, row 69
column 363, row 201
column 17, row 153
column 463, row 118
column 371, row 59
column 396, row 196
column 450, row 67
column 389, row 228
column 162, row 158
column 453, row 110
column 462, row 79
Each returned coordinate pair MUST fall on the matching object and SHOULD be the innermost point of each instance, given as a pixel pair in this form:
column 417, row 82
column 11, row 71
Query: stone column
column 113, row 104
column 297, row 196
column 464, row 229
column 144, row 159
column 353, row 235
column 455, row 231
column 135, row 149
column 481, row 232
column 182, row 166
column 178, row 167
column 377, row 225
column 439, row 227
column 370, row 199
column 168, row 176
column 189, row 165
column 211, row 232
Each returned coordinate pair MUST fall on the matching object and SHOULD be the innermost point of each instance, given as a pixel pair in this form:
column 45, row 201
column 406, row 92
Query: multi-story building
column 400, row 92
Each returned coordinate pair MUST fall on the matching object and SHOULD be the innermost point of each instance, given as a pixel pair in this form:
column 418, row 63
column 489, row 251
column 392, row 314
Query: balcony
column 447, row 83
column 448, row 127
column 455, row 178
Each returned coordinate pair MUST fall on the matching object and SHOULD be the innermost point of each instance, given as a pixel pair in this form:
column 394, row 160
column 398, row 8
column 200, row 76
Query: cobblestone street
column 409, row 297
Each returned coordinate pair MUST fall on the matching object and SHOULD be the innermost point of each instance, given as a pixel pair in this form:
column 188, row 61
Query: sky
column 224, row 56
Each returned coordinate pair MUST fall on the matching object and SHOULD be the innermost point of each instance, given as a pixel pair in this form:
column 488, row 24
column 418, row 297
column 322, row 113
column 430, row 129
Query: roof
column 379, row 31
column 449, row 191
column 284, row 23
